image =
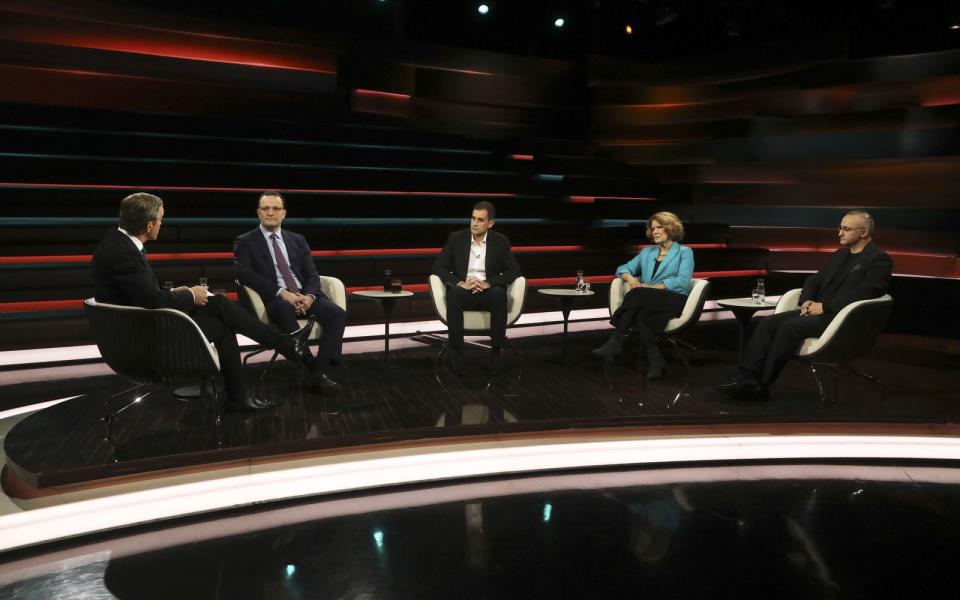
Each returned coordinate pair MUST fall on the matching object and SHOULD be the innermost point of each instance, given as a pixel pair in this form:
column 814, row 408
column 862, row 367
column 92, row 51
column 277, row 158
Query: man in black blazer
column 278, row 265
column 123, row 275
column 477, row 265
column 859, row 270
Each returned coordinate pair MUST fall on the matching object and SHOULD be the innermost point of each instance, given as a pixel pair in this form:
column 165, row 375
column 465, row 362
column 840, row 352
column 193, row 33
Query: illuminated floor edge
column 442, row 462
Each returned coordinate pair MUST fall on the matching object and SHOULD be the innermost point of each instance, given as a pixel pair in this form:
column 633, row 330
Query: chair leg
column 105, row 415
column 676, row 350
column 263, row 373
column 108, row 418
column 217, row 419
column 868, row 377
column 816, row 377
column 252, row 354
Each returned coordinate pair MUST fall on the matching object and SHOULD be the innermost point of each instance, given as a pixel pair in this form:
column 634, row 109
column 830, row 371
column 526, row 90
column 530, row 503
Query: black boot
column 655, row 361
column 612, row 346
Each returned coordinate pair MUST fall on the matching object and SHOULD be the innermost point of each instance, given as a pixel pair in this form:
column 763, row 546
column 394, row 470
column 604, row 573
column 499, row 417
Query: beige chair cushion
column 479, row 320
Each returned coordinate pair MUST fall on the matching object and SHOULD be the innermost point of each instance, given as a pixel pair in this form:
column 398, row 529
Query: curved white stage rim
column 366, row 469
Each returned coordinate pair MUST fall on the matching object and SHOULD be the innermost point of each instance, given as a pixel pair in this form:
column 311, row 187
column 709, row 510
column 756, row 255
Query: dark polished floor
column 67, row 443
column 771, row 531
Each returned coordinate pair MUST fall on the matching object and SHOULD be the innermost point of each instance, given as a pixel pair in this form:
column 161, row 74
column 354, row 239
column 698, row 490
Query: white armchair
column 331, row 286
column 689, row 317
column 850, row 335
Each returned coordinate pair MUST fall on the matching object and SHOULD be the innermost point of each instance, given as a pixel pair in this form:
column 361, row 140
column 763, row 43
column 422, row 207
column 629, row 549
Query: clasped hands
column 474, row 285
column 810, row 307
column 633, row 282
column 301, row 302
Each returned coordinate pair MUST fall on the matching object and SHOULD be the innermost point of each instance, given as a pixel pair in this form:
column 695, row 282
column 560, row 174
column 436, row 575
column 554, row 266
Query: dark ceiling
column 661, row 29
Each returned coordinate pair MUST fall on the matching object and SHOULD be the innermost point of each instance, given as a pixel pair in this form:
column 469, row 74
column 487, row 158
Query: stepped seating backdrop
column 381, row 150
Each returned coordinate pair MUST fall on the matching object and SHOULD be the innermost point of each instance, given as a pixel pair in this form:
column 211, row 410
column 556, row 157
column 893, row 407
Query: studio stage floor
column 66, row 444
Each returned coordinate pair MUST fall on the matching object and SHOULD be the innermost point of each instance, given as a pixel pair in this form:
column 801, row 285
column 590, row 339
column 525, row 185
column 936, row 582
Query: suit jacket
column 255, row 267
column 122, row 275
column 452, row 262
column 867, row 275
column 675, row 271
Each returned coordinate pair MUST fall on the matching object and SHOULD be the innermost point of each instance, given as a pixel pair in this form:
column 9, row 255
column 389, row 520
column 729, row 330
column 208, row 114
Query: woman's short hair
column 671, row 224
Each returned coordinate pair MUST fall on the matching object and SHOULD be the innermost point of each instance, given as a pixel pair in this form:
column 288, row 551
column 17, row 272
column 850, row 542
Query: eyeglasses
column 846, row 229
column 271, row 208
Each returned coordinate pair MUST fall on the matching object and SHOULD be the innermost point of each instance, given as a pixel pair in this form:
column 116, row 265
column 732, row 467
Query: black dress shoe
column 320, row 381
column 248, row 403
column 745, row 389
column 293, row 345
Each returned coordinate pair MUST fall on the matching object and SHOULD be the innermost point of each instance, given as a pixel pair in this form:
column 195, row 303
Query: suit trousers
column 220, row 320
column 649, row 307
column 332, row 320
column 493, row 299
column 775, row 339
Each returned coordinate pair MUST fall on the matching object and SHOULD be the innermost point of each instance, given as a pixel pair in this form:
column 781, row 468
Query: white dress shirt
column 477, row 265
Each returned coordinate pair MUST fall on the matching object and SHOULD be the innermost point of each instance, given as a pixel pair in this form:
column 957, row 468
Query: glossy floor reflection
column 67, row 443
column 780, row 531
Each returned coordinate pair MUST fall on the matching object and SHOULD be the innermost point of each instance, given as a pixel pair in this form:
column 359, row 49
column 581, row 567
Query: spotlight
column 628, row 29
column 559, row 22
column 483, row 9
column 955, row 26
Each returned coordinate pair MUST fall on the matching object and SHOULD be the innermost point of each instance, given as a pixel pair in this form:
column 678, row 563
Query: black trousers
column 493, row 299
column 775, row 339
column 648, row 307
column 332, row 320
column 220, row 320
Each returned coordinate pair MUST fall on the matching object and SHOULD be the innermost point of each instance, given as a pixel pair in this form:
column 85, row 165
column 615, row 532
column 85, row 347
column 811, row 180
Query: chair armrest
column 618, row 289
column 256, row 304
column 516, row 295
column 334, row 289
column 788, row 301
column 438, row 296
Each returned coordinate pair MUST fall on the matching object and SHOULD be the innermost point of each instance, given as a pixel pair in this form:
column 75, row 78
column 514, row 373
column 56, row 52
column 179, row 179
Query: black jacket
column 501, row 266
column 866, row 275
column 122, row 275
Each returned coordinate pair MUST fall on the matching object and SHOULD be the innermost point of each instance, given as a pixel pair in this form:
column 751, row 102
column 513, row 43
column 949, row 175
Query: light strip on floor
column 227, row 526
column 371, row 470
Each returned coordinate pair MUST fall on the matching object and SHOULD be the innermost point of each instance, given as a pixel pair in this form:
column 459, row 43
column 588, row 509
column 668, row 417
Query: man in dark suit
column 123, row 275
column 859, row 270
column 278, row 265
column 477, row 265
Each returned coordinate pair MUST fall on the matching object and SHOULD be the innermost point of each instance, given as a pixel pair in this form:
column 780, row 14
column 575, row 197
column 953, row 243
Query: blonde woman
column 659, row 281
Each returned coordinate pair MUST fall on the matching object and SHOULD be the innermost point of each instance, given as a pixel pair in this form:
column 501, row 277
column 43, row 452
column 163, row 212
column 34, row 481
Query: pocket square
column 856, row 268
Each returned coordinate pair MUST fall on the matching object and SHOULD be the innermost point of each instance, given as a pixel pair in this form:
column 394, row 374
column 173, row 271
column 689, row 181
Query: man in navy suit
column 278, row 265
column 858, row 270
column 477, row 265
column 122, row 275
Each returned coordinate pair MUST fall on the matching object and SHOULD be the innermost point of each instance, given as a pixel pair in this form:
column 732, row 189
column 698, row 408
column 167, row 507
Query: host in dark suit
column 859, row 270
column 123, row 275
column 477, row 265
column 289, row 284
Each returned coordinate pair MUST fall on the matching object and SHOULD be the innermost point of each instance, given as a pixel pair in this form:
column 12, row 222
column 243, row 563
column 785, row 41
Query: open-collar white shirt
column 477, row 265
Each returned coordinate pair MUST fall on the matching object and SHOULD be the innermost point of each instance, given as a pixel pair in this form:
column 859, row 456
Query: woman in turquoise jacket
column 659, row 281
